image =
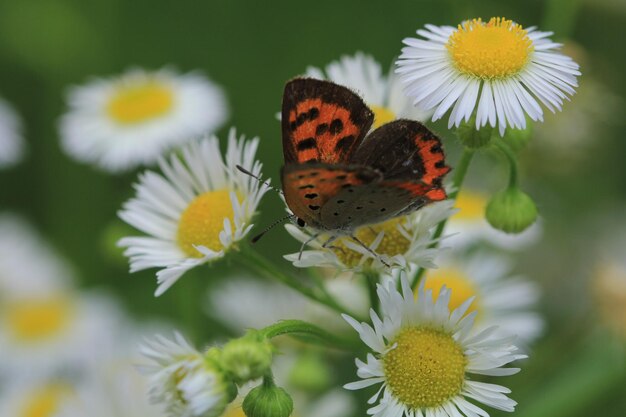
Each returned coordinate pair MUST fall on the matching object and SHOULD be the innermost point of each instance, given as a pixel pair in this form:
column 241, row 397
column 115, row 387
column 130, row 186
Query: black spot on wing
column 321, row 129
column 336, row 126
column 305, row 144
column 344, row 143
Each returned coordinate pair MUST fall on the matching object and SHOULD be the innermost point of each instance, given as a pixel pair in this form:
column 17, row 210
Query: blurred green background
column 251, row 49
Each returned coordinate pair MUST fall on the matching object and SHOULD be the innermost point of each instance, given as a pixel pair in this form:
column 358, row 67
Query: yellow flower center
column 138, row 103
column 460, row 284
column 496, row 49
column 38, row 319
column 472, row 206
column 393, row 243
column 382, row 115
column 203, row 220
column 426, row 368
column 46, row 401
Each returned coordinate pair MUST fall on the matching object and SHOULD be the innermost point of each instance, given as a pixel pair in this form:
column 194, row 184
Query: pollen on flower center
column 393, row 242
column 460, row 284
column 138, row 103
column 203, row 220
column 382, row 115
column 38, row 319
column 496, row 49
column 426, row 368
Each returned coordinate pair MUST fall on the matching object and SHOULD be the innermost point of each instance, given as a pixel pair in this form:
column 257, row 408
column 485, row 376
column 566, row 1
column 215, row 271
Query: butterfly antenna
column 271, row 226
column 266, row 183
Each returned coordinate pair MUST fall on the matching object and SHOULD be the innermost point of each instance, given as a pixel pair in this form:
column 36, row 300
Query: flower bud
column 268, row 400
column 247, row 358
column 471, row 137
column 511, row 211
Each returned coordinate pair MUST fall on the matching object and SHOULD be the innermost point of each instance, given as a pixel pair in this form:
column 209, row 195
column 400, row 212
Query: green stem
column 187, row 303
column 371, row 278
column 302, row 328
column 266, row 268
column 460, row 172
column 506, row 150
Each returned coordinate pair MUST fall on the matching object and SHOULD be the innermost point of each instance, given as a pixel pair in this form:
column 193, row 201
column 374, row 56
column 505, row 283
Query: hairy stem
column 302, row 328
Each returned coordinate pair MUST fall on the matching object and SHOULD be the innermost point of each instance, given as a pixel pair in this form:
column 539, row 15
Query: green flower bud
column 268, row 400
column 247, row 358
column 511, row 211
column 310, row 373
column 472, row 138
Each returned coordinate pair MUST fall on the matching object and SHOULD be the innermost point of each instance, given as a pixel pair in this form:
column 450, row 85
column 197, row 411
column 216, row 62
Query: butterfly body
column 336, row 178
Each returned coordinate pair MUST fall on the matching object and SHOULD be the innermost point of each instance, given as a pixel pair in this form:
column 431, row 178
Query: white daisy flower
column 499, row 298
column 400, row 242
column 196, row 211
column 423, row 355
column 469, row 227
column 188, row 383
column 382, row 93
column 497, row 68
column 121, row 122
column 12, row 144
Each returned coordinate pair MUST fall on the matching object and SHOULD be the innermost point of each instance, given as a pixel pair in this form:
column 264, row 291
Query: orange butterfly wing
column 322, row 122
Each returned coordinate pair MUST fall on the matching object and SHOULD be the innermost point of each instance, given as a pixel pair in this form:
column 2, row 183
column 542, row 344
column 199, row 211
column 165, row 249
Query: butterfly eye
column 301, row 222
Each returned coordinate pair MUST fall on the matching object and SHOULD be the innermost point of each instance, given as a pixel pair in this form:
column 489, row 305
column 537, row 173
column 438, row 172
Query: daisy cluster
column 432, row 293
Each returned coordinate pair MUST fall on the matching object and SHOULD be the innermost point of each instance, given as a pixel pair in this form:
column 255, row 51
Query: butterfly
column 337, row 177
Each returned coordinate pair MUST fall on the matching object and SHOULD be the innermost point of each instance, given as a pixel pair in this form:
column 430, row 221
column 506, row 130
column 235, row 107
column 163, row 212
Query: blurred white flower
column 244, row 303
column 121, row 122
column 12, row 144
column 196, row 211
column 499, row 299
column 45, row 324
column 28, row 265
column 54, row 331
column 382, row 93
column 38, row 398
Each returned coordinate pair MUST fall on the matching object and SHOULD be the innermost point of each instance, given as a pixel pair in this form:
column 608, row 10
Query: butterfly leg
column 367, row 248
column 327, row 244
column 311, row 239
